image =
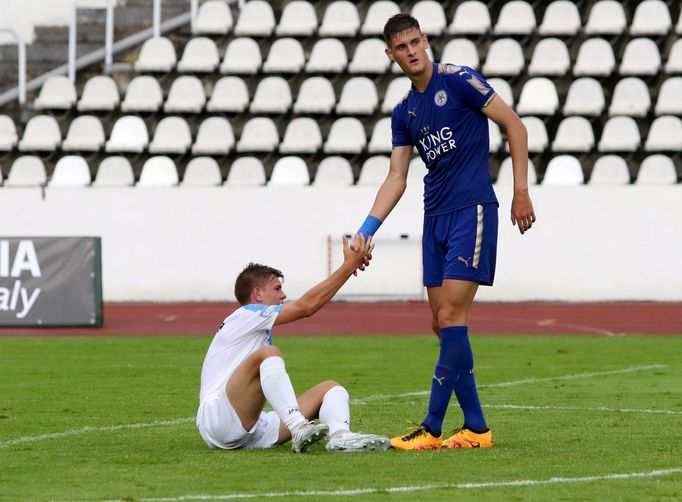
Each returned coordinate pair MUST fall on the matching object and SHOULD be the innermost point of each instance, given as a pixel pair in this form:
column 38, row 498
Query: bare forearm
column 317, row 297
column 518, row 147
column 388, row 196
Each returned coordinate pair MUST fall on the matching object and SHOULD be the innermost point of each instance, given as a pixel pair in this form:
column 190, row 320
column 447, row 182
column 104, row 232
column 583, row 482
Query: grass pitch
column 574, row 418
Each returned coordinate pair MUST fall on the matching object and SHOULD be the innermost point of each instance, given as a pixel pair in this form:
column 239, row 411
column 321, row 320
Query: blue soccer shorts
column 460, row 245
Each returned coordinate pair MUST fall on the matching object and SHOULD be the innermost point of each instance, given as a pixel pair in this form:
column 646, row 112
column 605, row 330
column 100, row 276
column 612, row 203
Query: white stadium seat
column 678, row 26
column 256, row 19
column 538, row 97
column 374, row 171
column 346, row 135
column 299, row 19
column 574, row 134
column 610, row 170
column 26, row 171
column 213, row 18
column 397, row 89
column 369, row 57
column 620, row 134
column 516, row 18
column 431, row 17
column 158, row 172
column 114, row 171
column 290, row 171
column 41, row 134
column 495, row 137
column 259, row 135
column 505, row 176
column 461, row 51
column 380, row 141
column 665, row 135
column 471, row 18
column 69, row 172
column 563, row 170
column 656, row 169
column 674, row 63
column 585, row 97
column 85, row 134
column 630, row 97
column 341, row 19
column 172, row 136
column 242, row 56
column 327, row 56
column 202, row 172
column 316, row 95
column 246, row 171
column 651, row 17
column 606, row 17
column 641, row 57
column 377, row 14
column 129, row 134
column 358, row 96
column 416, row 170
column 186, row 95
column 550, row 57
column 230, row 94
column 215, row 137
column 8, row 134
column 99, row 94
column 595, row 58
column 561, row 19
column 302, row 135
column 156, row 54
column 669, row 97
column 334, row 171
column 272, row 95
column 505, row 57
column 143, row 94
column 285, row 56
column 502, row 89
column 200, row 56
column 57, row 93
column 537, row 134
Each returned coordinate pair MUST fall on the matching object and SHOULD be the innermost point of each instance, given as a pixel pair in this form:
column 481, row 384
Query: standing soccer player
column 445, row 116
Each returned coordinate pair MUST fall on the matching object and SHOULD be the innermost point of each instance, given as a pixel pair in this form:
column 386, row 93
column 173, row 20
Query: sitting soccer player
column 242, row 370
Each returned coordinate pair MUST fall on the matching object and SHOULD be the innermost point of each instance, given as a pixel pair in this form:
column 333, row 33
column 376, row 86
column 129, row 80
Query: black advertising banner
column 50, row 281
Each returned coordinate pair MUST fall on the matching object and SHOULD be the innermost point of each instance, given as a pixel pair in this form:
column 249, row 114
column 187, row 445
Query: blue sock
column 465, row 387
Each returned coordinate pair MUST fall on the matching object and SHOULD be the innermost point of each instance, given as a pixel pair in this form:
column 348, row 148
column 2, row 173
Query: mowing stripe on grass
column 420, row 488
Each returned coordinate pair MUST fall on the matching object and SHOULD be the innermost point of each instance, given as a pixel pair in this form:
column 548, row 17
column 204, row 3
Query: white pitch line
column 570, row 408
column 407, row 489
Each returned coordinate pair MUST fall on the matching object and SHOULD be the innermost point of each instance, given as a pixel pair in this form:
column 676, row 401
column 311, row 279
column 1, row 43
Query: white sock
column 279, row 392
column 335, row 411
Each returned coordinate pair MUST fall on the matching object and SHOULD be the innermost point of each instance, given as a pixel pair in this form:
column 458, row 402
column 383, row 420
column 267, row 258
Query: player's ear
column 257, row 295
column 426, row 40
column 389, row 53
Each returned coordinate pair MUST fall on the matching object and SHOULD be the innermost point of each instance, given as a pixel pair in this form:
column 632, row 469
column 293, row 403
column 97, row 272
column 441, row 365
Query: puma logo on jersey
column 439, row 380
column 412, row 112
column 464, row 260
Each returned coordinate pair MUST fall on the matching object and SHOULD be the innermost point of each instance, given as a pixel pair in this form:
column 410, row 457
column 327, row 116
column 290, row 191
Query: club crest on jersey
column 440, row 98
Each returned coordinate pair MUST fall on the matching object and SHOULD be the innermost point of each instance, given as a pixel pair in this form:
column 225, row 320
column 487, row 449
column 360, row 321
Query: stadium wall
column 590, row 243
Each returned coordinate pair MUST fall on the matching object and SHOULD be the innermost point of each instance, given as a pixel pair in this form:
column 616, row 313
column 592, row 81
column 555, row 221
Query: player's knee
column 269, row 351
column 450, row 315
column 435, row 327
column 329, row 384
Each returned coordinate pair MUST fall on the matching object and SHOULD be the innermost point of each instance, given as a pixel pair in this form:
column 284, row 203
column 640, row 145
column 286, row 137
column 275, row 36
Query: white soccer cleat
column 307, row 435
column 354, row 441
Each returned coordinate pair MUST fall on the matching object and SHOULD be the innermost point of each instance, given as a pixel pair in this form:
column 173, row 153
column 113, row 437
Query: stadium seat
column 242, row 56
column 8, row 134
column 129, row 134
column 327, row 56
column 651, row 17
column 471, row 18
column 358, row 96
column 641, row 57
column 316, row 95
column 156, row 55
column 374, row 171
column 416, row 170
column 538, row 97
column 302, row 135
column 505, row 58
column 585, row 97
column 341, row 19
column 595, row 58
column 246, row 171
column 563, row 170
column 159, row 171
column 550, row 57
column 665, row 135
column 290, row 171
column 186, row 95
column 272, row 96
column 346, row 135
column 574, row 134
column 495, row 137
column 461, row 51
column 503, row 90
column 620, row 134
column 99, row 94
column 505, row 176
column 215, row 137
column 377, row 14
column 200, row 56
column 57, row 93
column 678, row 26
column 259, row 135
column 41, row 134
column 630, row 97
column 298, row 19
column 85, row 134
column 657, row 169
column 431, row 17
column 380, row 141
column 610, row 170
column 202, row 172
column 334, row 171
column 26, row 171
column 561, row 19
column 114, row 171
column 143, row 94
column 171, row 136
column 369, row 57
column 537, row 134
column 213, row 18
column 674, row 63
column 71, row 171
column 230, row 94
column 397, row 89
column 516, row 18
column 606, row 17
column 669, row 101
column 256, row 19
column 285, row 56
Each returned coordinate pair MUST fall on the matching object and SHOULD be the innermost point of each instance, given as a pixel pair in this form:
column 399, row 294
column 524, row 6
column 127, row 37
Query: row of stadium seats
column 342, row 19
column 116, row 171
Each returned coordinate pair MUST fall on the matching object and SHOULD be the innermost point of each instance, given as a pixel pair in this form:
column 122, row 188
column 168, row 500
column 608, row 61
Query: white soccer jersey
column 243, row 332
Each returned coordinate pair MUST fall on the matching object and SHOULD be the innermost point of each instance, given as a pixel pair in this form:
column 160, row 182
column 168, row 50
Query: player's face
column 271, row 293
column 408, row 49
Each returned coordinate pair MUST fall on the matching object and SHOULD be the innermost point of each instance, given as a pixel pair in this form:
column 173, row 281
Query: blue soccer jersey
column 450, row 131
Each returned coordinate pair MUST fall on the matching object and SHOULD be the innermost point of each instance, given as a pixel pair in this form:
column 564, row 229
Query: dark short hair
column 400, row 23
column 254, row 275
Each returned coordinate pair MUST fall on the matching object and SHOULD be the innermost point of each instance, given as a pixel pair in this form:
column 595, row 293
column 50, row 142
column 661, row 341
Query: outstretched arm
column 522, row 212
column 319, row 296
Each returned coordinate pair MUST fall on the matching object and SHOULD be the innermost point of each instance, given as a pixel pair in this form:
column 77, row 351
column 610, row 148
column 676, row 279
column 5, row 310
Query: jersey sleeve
column 399, row 132
column 262, row 316
column 470, row 85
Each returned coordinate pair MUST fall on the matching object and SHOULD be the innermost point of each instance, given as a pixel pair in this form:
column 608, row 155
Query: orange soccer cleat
column 466, row 438
column 418, row 439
